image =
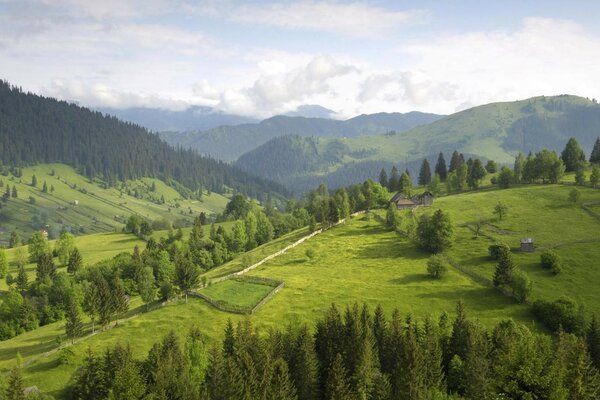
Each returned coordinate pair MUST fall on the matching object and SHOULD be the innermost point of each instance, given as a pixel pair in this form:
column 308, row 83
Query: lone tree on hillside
column 435, row 232
column 73, row 325
column 75, row 261
column 572, row 155
column 437, row 266
column 504, row 269
column 187, row 275
column 501, row 210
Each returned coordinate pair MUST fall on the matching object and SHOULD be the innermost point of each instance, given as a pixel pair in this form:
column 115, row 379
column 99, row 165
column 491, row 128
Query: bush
column 560, row 313
column 550, row 260
column 310, row 253
column 521, row 286
column 497, row 249
column 437, row 266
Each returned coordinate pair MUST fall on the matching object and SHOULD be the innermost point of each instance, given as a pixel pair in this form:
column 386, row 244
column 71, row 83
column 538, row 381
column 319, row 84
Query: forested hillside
column 36, row 129
column 229, row 142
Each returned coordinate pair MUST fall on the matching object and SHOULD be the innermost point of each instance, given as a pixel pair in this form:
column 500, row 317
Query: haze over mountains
column 229, row 142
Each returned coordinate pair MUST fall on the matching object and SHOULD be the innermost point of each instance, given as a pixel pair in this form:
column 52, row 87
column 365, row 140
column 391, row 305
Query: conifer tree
column 75, row 261
column 34, row 181
column 383, row 178
column 280, row 386
column 15, row 239
column 15, row 387
column 3, row 264
column 394, row 181
column 15, row 194
column 455, row 161
column 595, row 155
column 119, row 298
column 91, row 303
column 22, row 279
column 593, row 341
column 73, row 324
column 90, row 381
column 303, row 364
column 405, row 185
column 440, row 167
column 45, row 268
column 337, row 386
column 505, row 268
column 425, row 173
column 145, row 284
column 45, row 187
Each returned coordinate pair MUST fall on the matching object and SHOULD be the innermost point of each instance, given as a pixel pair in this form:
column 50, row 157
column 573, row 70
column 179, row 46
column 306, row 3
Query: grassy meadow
column 237, row 293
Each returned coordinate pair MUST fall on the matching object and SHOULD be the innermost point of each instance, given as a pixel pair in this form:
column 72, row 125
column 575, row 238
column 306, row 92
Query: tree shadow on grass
column 476, row 299
column 411, row 278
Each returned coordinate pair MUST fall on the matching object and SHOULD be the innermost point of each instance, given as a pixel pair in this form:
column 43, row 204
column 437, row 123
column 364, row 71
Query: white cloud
column 354, row 19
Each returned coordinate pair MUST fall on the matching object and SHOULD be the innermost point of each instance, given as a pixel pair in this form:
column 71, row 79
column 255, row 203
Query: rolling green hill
column 363, row 261
column 229, row 142
column 495, row 131
column 85, row 207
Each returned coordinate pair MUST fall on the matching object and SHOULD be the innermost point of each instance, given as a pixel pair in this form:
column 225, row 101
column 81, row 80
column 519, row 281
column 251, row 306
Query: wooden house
column 527, row 245
column 403, row 202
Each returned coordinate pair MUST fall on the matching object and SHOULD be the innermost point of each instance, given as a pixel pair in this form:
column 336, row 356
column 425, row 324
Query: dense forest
column 36, row 129
column 352, row 354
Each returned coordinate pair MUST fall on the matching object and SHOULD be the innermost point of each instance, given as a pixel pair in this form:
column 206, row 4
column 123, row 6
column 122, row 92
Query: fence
column 232, row 308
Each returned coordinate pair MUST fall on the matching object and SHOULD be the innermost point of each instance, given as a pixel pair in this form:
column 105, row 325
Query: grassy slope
column 359, row 261
column 545, row 214
column 97, row 209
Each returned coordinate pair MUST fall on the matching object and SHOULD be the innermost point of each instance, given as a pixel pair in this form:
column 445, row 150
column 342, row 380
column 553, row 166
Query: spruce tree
column 45, row 270
column 75, row 261
column 45, row 187
column 73, row 324
column 34, row 181
column 15, row 240
column 394, row 181
column 593, row 341
column 119, row 299
column 405, row 185
column 91, row 303
column 15, row 387
column 303, row 364
column 595, row 155
column 425, row 173
column 22, row 279
column 337, row 386
column 280, row 386
column 504, row 269
column 440, row 167
column 3, row 264
column 15, row 194
column 455, row 161
column 383, row 178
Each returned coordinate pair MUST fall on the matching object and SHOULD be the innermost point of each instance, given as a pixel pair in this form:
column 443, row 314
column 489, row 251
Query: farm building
column 403, row 202
column 527, row 245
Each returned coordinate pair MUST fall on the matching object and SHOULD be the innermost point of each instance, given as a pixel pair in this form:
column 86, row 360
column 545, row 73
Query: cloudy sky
column 261, row 58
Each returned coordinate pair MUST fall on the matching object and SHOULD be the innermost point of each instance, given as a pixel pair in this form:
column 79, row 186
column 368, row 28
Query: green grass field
column 98, row 209
column 237, row 293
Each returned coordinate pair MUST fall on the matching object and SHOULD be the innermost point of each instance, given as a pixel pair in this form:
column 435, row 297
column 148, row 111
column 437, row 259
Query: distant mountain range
column 191, row 119
column 494, row 131
column 229, row 142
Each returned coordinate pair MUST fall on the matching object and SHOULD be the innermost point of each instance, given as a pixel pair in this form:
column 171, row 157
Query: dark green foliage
column 425, row 173
column 45, row 269
column 491, row 167
column 574, row 196
column 504, row 269
column 475, row 174
column 34, row 181
column 593, row 340
column 497, row 250
column 435, row 232
column 337, row 386
column 394, row 182
column 15, row 386
column 572, row 155
column 455, row 162
column 71, row 133
column 595, row 155
column 440, row 167
column 383, row 178
column 187, row 275
column 15, row 240
column 550, row 260
column 562, row 313
column 75, row 261
column 73, row 325
column 506, row 178
column 521, row 286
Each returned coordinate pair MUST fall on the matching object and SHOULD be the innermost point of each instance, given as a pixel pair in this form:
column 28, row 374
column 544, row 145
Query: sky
column 262, row 58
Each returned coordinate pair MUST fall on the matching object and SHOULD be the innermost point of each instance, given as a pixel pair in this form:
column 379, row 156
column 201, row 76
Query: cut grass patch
column 238, row 293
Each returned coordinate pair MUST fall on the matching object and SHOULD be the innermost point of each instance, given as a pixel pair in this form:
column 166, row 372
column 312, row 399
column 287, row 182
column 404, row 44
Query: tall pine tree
column 425, row 173
column 440, row 167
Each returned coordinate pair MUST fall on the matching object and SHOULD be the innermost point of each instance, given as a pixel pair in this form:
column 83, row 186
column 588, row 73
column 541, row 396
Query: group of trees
column 48, row 297
column 353, row 354
column 396, row 182
column 547, row 167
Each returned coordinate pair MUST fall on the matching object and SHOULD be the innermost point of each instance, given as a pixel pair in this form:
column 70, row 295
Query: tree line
column 350, row 354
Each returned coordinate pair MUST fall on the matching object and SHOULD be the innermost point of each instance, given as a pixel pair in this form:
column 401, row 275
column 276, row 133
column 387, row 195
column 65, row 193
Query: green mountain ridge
column 230, row 142
column 495, row 131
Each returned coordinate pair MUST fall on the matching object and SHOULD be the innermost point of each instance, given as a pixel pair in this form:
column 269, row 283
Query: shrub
column 310, row 253
column 575, row 196
column 437, row 266
column 550, row 260
column 521, row 286
column 560, row 313
column 167, row 291
column 497, row 249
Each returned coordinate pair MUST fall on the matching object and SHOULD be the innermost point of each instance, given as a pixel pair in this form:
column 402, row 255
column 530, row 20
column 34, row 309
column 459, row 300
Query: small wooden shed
column 527, row 245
